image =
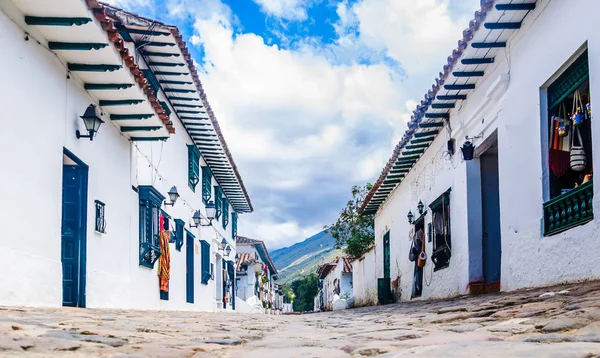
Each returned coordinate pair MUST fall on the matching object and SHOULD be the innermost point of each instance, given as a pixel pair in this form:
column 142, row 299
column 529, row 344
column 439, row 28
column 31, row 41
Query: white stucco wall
column 508, row 100
column 344, row 280
column 364, row 279
column 41, row 113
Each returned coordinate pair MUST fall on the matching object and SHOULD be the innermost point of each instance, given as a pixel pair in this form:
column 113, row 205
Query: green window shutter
column 225, row 204
column 193, row 166
column 569, row 81
column 179, row 225
column 233, row 225
column 218, row 201
column 205, row 246
column 206, row 184
column 149, row 222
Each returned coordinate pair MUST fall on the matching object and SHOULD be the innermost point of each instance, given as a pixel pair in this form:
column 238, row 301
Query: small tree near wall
column 352, row 231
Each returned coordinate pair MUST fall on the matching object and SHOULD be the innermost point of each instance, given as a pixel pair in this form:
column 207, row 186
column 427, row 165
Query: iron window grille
column 100, row 226
column 149, row 223
column 193, row 166
column 440, row 232
column 206, row 184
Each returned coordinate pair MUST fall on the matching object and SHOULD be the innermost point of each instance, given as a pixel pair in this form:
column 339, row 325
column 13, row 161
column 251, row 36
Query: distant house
column 256, row 273
column 335, row 281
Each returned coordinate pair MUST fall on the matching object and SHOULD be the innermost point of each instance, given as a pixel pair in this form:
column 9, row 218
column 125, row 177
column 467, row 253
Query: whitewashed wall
column 41, row 113
column 364, row 279
column 507, row 99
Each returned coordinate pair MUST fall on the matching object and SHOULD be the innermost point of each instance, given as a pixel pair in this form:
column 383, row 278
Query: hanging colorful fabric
column 577, row 157
column 164, row 262
column 558, row 154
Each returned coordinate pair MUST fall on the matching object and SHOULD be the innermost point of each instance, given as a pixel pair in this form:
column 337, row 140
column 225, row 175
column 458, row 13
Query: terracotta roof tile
column 423, row 106
column 245, row 258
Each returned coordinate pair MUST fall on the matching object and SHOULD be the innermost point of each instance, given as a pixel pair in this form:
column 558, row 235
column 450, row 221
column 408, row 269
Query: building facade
column 335, row 282
column 121, row 217
column 364, row 279
column 256, row 274
column 489, row 181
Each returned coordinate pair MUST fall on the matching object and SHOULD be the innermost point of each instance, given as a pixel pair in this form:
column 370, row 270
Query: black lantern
column 173, row 196
column 196, row 218
column 468, row 150
column 210, row 211
column 227, row 250
column 223, row 244
column 420, row 207
column 410, row 217
column 92, row 123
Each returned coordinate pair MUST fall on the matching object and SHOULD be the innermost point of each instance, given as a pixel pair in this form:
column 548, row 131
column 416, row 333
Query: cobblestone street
column 562, row 321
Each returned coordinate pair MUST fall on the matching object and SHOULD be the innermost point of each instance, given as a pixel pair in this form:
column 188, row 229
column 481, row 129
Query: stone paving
column 561, row 321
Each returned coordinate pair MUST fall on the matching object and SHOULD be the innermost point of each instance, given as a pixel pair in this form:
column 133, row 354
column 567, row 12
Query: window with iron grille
column 225, row 213
column 149, row 223
column 233, row 225
column 440, row 232
column 206, row 184
column 100, row 220
column 218, row 201
column 193, row 166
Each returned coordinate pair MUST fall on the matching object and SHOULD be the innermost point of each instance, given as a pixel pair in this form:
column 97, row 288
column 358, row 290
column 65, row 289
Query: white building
column 93, row 209
column 364, row 279
column 516, row 215
column 335, row 282
column 255, row 273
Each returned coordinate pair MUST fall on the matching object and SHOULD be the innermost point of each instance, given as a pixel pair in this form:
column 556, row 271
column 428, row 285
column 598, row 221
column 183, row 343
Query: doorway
column 73, row 230
column 490, row 212
column 386, row 255
column 189, row 267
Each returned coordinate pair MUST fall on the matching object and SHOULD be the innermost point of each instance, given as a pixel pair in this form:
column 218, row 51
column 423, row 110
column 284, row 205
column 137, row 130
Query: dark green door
column 386, row 255
column 74, row 195
column 189, row 264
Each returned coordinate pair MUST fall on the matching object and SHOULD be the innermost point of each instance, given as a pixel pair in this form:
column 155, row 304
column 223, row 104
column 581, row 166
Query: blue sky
column 312, row 95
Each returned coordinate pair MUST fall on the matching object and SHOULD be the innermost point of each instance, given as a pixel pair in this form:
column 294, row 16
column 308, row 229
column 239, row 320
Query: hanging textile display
column 164, row 262
column 560, row 143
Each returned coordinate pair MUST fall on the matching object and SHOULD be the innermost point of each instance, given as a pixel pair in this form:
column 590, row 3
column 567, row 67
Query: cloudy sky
column 312, row 95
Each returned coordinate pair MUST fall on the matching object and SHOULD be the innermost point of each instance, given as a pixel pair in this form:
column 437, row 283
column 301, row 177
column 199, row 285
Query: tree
column 352, row 231
column 288, row 293
column 305, row 289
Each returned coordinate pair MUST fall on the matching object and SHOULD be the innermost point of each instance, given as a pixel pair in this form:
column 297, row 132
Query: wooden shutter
column 205, row 246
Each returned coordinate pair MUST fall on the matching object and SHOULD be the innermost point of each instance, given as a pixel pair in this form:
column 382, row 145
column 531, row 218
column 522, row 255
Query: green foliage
column 352, row 231
column 288, row 293
column 305, row 289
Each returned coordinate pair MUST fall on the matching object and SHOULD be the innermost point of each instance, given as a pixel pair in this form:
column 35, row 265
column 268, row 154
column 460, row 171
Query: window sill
column 569, row 210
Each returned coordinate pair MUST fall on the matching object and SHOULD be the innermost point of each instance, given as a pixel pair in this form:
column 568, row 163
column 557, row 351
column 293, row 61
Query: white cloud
column 304, row 127
column 285, row 9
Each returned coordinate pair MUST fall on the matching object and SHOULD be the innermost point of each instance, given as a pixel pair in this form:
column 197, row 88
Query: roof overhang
column 94, row 54
column 487, row 36
column 174, row 73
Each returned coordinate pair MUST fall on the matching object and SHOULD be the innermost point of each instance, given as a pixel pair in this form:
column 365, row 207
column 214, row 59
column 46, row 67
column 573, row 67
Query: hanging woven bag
column 578, row 160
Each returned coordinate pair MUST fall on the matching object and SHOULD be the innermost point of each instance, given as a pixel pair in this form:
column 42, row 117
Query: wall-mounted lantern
column 410, row 217
column 210, row 216
column 227, row 250
column 173, row 196
column 420, row 207
column 468, row 149
column 222, row 244
column 92, row 123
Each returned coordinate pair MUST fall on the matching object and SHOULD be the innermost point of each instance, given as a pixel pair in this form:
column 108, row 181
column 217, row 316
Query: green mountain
column 304, row 257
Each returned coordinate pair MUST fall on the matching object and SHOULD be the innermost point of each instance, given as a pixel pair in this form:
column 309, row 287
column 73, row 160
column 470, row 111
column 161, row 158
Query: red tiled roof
column 246, row 240
column 245, row 258
column 347, row 265
column 194, row 74
column 418, row 113
column 119, row 44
